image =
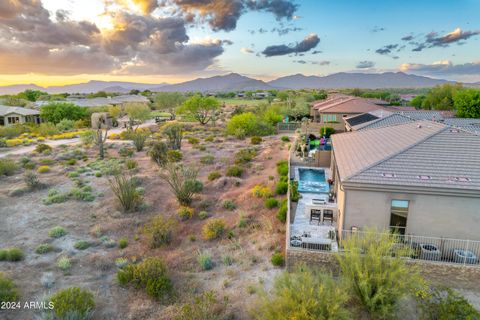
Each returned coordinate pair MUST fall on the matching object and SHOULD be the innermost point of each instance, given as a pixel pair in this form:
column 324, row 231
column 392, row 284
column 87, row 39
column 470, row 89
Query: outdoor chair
column 328, row 216
column 315, row 216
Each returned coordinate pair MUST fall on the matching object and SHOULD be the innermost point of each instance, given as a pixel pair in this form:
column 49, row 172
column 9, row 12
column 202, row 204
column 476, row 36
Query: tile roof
column 424, row 115
column 4, row 110
column 96, row 102
column 355, row 151
column 346, row 104
column 434, row 155
column 467, row 124
column 390, row 120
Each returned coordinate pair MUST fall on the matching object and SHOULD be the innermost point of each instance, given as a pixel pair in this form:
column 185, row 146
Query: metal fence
column 446, row 250
column 288, row 127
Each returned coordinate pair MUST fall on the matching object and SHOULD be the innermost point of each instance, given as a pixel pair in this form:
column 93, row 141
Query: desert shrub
column 182, row 182
column 281, row 187
column 304, row 294
column 125, row 189
column 47, row 161
column 229, row 205
column 202, row 215
column 185, row 213
column 285, row 139
column 214, row 175
column 158, row 153
column 31, row 180
column 82, row 245
column 234, row 171
column 205, row 261
column 138, row 139
column 204, row 306
column 42, row 147
column 55, row 196
column 11, row 254
column 261, row 191
column 88, row 137
column 121, row 262
column 7, row 167
column 57, row 232
column 193, row 141
column 271, row 203
column 245, row 155
column 213, row 229
column 44, row 248
column 8, row 289
column 446, row 304
column 65, row 125
column 64, row 263
column 126, row 152
column 150, row 275
column 282, row 212
column 243, row 221
column 326, row 131
column 277, row 259
column 82, row 193
column 208, row 159
column 71, row 162
column 294, row 194
column 248, row 124
column 131, row 164
column 73, row 303
column 256, row 140
column 282, row 167
column 123, row 243
column 43, row 169
column 174, row 155
column 376, row 277
column 159, row 231
column 174, row 133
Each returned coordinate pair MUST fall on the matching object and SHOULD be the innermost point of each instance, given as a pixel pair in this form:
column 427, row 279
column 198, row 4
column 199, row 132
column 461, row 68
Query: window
column 12, row 120
column 398, row 216
column 329, row 117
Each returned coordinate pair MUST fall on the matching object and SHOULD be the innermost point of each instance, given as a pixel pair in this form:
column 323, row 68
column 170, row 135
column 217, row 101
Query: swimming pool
column 312, row 181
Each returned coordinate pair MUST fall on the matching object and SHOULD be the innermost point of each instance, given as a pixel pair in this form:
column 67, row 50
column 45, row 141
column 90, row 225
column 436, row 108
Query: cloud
column 296, row 17
column 224, row 14
column 432, row 39
column 284, row 31
column 322, row 63
column 310, row 42
column 144, row 6
column 365, row 64
column 300, row 61
column 246, row 50
column 444, row 67
column 408, row 38
column 316, row 52
column 387, row 49
column 32, row 41
column 376, row 29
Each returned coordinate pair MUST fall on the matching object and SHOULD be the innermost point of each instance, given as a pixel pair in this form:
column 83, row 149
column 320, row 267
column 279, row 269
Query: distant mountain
column 356, row 80
column 229, row 82
column 16, row 88
column 95, row 86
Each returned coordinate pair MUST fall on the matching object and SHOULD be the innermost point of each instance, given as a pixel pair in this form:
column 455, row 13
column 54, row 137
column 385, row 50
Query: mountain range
column 237, row 82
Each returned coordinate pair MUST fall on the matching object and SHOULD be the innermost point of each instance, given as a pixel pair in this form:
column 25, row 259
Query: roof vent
column 454, row 130
column 419, row 126
column 424, row 177
column 462, row 179
column 388, row 175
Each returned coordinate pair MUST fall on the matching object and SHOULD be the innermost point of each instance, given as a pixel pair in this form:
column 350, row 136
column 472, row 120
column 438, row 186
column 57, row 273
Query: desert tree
column 169, row 102
column 137, row 113
column 200, row 108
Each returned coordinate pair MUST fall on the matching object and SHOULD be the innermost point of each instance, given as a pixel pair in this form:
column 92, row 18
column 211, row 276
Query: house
column 109, row 101
column 333, row 111
column 12, row 115
column 418, row 178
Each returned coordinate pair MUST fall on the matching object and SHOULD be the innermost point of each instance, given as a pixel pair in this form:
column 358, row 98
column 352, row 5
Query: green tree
column 31, row 95
column 57, row 111
column 304, row 295
column 137, row 113
column 373, row 266
column 441, row 97
column 283, row 95
column 467, row 103
column 248, row 124
column 200, row 108
column 417, row 102
column 168, row 101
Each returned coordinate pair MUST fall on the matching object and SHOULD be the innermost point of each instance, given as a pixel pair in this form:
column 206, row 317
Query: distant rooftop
column 5, row 110
column 345, row 104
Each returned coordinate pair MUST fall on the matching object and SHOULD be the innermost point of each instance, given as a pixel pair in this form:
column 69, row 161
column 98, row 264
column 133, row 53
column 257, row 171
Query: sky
column 56, row 42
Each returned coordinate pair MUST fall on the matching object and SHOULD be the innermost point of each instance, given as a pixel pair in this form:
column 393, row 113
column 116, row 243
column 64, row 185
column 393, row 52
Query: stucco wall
column 428, row 215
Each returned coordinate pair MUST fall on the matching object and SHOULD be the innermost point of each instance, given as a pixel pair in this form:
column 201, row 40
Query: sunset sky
column 54, row 42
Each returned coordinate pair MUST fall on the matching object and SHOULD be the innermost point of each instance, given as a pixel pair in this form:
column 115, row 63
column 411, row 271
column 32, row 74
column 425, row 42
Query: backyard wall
column 449, row 274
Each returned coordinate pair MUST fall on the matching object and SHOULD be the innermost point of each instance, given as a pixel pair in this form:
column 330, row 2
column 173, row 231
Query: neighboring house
column 468, row 124
column 417, row 178
column 12, row 115
column 333, row 111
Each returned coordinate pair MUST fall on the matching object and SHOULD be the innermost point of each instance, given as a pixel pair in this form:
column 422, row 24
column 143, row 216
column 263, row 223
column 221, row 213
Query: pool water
column 312, row 181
